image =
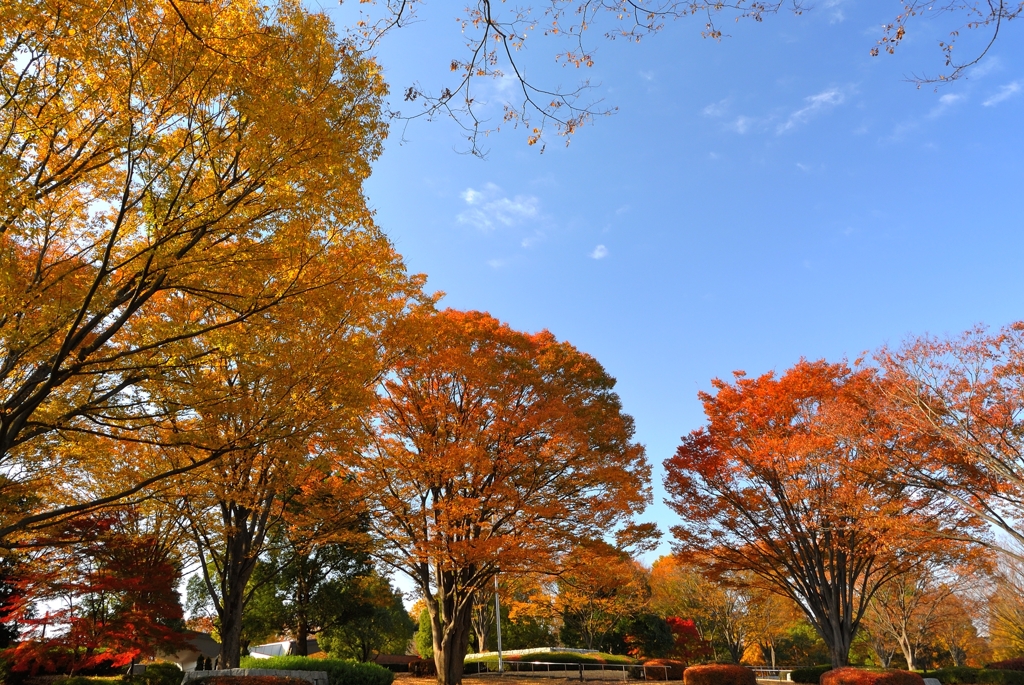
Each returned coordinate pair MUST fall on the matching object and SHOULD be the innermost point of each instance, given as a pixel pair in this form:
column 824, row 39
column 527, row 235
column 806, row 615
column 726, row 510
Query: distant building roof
column 394, row 659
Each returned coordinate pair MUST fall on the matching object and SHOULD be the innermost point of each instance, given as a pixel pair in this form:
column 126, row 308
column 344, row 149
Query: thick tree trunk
column 243, row 532
column 231, row 629
column 302, row 635
column 303, row 600
column 450, row 646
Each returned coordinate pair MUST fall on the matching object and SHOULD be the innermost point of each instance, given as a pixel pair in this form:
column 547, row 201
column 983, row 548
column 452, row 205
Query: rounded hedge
column 663, row 669
column 860, row 676
column 719, row 674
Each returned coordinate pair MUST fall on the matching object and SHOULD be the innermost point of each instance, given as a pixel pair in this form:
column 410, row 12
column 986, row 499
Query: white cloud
column 835, row 11
column 600, row 252
column 490, row 207
column 531, row 240
column 495, row 263
column 742, row 124
column 1005, row 92
column 989, row 65
column 816, row 104
column 647, row 75
column 945, row 102
column 900, row 130
column 717, row 109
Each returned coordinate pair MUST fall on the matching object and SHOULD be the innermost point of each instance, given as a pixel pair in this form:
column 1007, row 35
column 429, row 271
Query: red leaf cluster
column 110, row 599
column 689, row 646
column 858, row 676
column 719, row 674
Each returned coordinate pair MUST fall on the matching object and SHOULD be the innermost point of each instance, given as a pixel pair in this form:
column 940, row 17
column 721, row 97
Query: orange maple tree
column 781, row 483
column 493, row 450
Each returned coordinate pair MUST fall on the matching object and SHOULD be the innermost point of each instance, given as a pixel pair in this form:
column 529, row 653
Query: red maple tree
column 96, row 596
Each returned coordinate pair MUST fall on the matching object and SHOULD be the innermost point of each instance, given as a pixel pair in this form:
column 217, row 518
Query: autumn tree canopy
column 168, row 169
column 283, row 397
column 965, row 393
column 600, row 588
column 109, row 599
column 493, row 451
column 780, row 484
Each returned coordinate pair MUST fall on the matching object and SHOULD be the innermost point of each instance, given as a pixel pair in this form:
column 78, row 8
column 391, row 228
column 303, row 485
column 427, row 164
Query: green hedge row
column 811, row 674
column 339, row 671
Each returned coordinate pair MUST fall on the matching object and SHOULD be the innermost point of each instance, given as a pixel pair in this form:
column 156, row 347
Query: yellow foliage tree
column 167, row 170
column 283, row 397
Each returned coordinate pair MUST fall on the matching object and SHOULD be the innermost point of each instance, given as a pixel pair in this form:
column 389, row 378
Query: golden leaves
column 169, row 169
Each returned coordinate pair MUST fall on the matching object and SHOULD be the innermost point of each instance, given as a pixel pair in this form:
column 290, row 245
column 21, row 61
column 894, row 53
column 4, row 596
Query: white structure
column 282, row 648
column 199, row 645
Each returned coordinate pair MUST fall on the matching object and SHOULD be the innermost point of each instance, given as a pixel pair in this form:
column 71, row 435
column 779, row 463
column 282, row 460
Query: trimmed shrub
column 1016, row 664
column 956, row 675
column 339, row 671
column 160, row 673
column 674, row 669
column 719, row 674
column 991, row 676
column 811, row 674
column 859, row 676
column 422, row 668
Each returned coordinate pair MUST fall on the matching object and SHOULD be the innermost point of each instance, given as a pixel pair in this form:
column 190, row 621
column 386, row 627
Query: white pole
column 497, row 623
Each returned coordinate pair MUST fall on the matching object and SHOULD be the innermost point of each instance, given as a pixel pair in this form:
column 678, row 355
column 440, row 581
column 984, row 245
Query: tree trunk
column 231, row 629
column 451, row 641
column 483, row 614
column 243, row 532
column 302, row 635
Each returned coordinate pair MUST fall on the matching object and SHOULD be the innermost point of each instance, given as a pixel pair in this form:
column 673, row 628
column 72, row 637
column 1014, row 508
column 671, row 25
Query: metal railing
column 777, row 674
column 588, row 671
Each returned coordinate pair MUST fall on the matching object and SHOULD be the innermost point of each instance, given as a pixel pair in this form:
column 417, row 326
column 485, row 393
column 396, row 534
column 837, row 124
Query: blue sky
column 776, row 195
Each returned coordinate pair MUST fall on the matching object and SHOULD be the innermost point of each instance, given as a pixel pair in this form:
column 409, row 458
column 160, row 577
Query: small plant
column 160, row 673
